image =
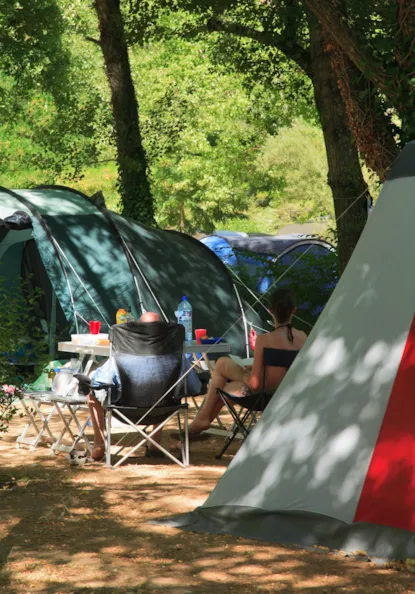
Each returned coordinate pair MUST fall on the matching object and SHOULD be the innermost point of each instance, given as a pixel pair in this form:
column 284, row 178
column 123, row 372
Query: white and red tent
column 332, row 460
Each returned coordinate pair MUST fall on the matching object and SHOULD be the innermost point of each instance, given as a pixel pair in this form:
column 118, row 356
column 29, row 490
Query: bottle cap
column 184, row 298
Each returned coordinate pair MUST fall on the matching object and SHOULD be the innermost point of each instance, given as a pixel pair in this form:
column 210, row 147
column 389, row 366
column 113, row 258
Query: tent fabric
column 34, row 274
column 257, row 255
column 97, row 261
column 335, row 447
column 405, row 165
column 273, row 245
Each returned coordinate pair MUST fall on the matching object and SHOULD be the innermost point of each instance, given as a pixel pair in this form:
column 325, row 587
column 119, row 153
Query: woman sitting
column 240, row 381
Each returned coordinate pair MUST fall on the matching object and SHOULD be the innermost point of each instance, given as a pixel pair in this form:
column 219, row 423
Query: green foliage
column 22, row 345
column 8, row 395
column 216, row 115
column 31, row 44
column 294, row 163
column 291, row 173
column 198, row 133
column 205, row 116
column 56, row 117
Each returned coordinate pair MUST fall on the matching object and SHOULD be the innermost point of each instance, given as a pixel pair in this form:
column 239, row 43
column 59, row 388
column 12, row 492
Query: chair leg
column 227, row 443
column 148, row 438
column 186, row 437
column 181, row 437
column 239, row 426
column 108, row 448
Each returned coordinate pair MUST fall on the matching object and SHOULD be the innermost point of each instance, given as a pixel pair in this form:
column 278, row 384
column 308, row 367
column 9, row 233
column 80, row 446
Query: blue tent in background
column 257, row 254
column 294, row 257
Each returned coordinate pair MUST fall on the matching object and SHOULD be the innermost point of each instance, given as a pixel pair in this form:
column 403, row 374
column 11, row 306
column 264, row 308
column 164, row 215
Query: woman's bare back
column 279, row 339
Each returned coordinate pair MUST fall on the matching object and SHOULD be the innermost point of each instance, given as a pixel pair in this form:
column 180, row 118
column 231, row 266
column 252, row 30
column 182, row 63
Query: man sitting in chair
column 96, row 399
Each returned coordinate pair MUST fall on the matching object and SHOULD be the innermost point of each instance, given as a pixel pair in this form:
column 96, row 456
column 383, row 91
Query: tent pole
column 80, row 280
column 52, row 326
column 144, row 279
column 243, row 319
column 259, row 300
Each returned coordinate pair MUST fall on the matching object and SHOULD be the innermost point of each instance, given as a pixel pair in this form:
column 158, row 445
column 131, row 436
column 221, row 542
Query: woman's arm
column 256, row 376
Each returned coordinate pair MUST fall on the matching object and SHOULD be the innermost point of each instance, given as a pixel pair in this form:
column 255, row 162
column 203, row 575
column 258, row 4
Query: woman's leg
column 225, row 370
column 97, row 417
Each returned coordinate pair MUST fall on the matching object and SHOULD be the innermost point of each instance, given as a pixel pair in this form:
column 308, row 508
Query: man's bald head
column 150, row 316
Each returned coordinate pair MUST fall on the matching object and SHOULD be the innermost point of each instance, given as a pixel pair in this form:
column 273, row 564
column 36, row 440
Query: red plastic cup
column 199, row 333
column 252, row 338
column 94, row 326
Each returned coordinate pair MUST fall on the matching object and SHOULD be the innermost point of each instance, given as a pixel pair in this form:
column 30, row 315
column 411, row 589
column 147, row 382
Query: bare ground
column 85, row 530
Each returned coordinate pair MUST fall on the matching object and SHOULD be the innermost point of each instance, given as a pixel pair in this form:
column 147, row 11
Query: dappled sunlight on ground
column 85, row 530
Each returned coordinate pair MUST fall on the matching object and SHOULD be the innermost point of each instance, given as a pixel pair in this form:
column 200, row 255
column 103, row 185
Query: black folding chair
column 148, row 358
column 253, row 403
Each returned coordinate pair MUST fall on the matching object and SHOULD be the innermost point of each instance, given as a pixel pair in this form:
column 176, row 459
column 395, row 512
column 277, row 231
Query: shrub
column 23, row 348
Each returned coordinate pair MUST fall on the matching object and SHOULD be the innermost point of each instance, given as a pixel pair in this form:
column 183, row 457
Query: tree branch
column 96, row 41
column 294, row 51
column 331, row 20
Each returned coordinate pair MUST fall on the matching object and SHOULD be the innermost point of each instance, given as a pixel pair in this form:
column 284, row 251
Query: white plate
column 88, row 339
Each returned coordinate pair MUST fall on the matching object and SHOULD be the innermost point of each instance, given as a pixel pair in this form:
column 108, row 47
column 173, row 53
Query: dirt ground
column 85, row 530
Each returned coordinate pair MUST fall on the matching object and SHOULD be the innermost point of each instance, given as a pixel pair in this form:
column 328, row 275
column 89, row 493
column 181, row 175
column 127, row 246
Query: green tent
column 89, row 262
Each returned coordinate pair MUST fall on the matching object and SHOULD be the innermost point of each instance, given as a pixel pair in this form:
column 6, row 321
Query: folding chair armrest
column 240, row 398
column 82, row 378
column 85, row 384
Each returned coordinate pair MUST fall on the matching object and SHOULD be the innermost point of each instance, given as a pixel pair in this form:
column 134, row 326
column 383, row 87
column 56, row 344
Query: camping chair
column 148, row 359
column 253, row 403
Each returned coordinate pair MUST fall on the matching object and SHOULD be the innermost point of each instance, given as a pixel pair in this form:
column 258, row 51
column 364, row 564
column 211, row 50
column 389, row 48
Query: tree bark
column 136, row 199
column 350, row 192
column 396, row 86
column 182, row 218
column 331, row 19
column 371, row 127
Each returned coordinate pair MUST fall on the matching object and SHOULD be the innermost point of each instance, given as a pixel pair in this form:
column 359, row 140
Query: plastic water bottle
column 184, row 317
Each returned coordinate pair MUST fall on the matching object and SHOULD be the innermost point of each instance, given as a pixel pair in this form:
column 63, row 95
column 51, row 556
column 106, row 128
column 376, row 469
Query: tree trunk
column 371, row 127
column 182, row 218
column 350, row 192
column 136, row 198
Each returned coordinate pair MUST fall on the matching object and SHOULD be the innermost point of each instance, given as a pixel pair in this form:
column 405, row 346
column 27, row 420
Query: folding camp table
column 41, row 408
